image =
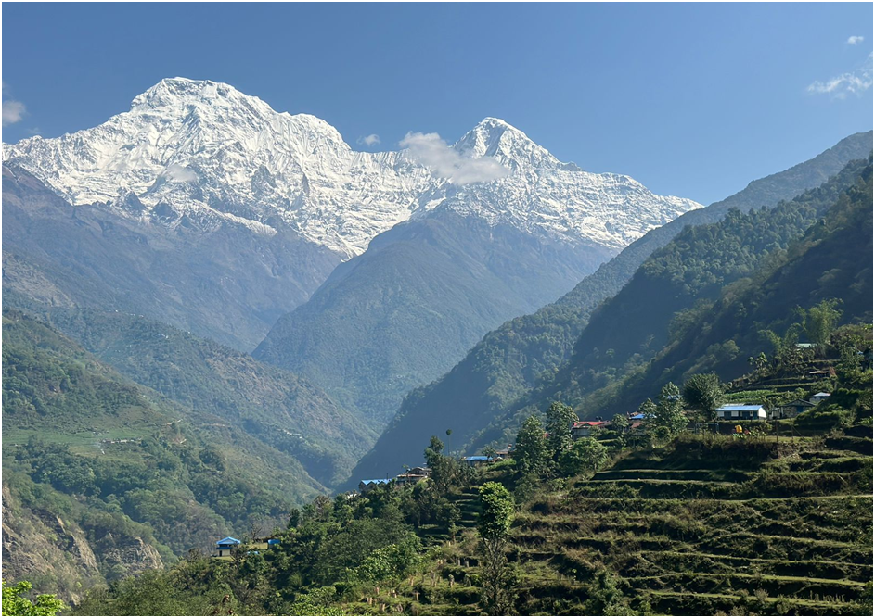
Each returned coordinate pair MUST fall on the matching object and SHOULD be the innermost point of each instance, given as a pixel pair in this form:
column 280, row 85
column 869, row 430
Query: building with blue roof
column 475, row 460
column 747, row 412
column 227, row 545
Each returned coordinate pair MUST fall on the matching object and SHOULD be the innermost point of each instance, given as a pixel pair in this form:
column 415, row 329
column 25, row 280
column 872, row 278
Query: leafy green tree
column 490, row 452
column 559, row 427
column 606, row 597
column 494, row 528
column 620, row 423
column 444, row 469
column 530, row 451
column 16, row 605
column 669, row 410
column 647, row 409
column 820, row 321
column 587, row 455
column 705, row 393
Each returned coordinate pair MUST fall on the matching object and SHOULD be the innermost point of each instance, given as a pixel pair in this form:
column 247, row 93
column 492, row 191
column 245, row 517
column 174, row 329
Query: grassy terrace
column 714, row 524
column 707, row 525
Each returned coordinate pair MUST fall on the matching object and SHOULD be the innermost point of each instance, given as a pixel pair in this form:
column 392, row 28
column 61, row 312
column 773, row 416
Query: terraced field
column 719, row 524
column 711, row 525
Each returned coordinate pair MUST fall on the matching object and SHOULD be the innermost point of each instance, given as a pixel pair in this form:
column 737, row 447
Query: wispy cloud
column 13, row 111
column 445, row 162
column 853, row 82
column 178, row 173
column 369, row 140
column 855, row 40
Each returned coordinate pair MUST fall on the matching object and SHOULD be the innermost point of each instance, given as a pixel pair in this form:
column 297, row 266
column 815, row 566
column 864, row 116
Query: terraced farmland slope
column 710, row 524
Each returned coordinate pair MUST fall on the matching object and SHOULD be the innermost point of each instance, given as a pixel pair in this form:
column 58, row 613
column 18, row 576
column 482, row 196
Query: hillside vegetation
column 478, row 398
column 405, row 311
column 763, row 522
column 279, row 408
column 113, row 474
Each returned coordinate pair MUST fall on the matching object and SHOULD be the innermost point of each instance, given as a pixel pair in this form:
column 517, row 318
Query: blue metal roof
column 740, row 407
column 367, row 482
column 638, row 416
column 477, row 458
column 228, row 541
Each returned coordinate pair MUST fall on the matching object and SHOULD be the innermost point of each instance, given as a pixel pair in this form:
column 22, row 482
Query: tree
column 530, row 449
column 669, row 411
column 587, row 455
column 494, row 528
column 490, row 452
column 16, row 605
column 559, row 427
column 705, row 393
column 620, row 423
column 443, row 468
column 820, row 321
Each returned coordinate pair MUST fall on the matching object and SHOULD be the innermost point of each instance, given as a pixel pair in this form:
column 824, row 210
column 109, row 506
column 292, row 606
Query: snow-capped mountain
column 203, row 152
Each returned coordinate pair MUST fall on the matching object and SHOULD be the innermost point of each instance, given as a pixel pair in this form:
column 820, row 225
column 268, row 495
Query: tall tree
column 820, row 321
column 16, row 605
column 530, row 451
column 705, row 393
column 669, row 410
column 559, row 427
column 494, row 529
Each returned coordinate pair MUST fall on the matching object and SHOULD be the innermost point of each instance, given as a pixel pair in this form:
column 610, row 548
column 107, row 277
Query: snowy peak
column 204, row 153
column 505, row 143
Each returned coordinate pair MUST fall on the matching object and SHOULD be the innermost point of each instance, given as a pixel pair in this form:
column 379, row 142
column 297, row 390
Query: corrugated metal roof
column 740, row 407
column 228, row 541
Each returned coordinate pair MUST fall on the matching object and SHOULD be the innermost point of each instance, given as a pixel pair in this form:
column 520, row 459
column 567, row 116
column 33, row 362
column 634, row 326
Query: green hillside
column 474, row 398
column 273, row 405
column 698, row 525
column 129, row 479
column 405, row 311
column 830, row 262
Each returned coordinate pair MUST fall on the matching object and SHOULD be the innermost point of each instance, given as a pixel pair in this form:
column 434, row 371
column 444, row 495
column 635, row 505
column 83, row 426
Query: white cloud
column 854, row 82
column 445, row 162
column 853, row 40
column 13, row 111
column 178, row 173
column 371, row 139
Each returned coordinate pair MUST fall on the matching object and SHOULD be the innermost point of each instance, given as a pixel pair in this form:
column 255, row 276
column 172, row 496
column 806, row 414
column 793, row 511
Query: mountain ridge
column 204, row 150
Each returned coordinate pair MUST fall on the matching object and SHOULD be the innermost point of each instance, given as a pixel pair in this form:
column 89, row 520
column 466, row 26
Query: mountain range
column 203, row 208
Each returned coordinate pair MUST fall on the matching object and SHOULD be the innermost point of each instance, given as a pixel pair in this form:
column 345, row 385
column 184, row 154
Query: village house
column 820, row 397
column 475, row 460
column 412, row 476
column 504, row 453
column 225, row 546
column 748, row 412
column 582, row 429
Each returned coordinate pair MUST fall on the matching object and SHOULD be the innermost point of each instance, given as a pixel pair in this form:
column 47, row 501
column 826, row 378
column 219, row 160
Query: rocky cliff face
column 40, row 546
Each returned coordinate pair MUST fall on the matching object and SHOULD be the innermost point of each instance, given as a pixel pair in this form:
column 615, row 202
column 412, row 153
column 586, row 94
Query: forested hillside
column 279, row 408
column 406, row 310
column 830, row 263
column 686, row 276
column 127, row 478
column 521, row 354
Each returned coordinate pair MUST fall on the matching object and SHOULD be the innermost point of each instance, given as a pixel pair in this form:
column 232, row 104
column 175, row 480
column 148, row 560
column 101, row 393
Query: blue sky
column 695, row 100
